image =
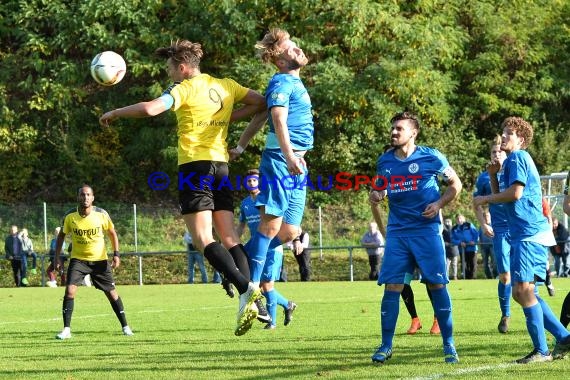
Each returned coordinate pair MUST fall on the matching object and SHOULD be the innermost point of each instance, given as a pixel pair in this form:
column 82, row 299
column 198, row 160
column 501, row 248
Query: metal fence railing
column 172, row 265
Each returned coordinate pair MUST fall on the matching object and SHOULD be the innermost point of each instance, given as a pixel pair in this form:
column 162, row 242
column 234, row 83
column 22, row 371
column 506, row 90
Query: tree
column 462, row 66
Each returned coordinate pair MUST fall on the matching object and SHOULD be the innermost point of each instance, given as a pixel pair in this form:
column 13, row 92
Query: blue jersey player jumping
column 283, row 169
column 408, row 176
column 499, row 232
column 531, row 235
column 249, row 214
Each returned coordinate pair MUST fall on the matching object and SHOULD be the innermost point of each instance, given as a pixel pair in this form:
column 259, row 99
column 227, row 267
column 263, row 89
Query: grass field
column 186, row 332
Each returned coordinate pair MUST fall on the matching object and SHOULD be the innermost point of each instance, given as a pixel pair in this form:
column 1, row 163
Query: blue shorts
column 528, row 262
column 503, row 251
column 403, row 254
column 282, row 194
column 273, row 264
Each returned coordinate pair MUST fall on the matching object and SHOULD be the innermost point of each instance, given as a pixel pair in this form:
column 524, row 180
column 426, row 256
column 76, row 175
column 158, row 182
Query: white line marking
column 465, row 371
column 147, row 311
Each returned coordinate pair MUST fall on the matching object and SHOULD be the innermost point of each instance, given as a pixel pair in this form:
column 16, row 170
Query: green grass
column 186, row 332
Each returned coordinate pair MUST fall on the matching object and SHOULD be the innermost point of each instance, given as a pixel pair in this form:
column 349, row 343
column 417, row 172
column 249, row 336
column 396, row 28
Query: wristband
column 240, row 149
column 116, row 254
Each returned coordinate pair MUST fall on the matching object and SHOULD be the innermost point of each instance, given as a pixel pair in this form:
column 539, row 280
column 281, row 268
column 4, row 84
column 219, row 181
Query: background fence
column 151, row 237
column 349, row 263
column 343, row 263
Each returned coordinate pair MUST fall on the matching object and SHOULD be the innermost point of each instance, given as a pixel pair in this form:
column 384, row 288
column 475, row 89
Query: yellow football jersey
column 88, row 234
column 203, row 106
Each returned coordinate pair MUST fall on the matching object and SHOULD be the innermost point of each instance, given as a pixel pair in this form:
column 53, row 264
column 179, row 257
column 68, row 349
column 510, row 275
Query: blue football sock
column 535, row 327
column 271, row 305
column 551, row 323
column 389, row 309
column 281, row 301
column 442, row 309
column 505, row 292
column 275, row 242
column 257, row 251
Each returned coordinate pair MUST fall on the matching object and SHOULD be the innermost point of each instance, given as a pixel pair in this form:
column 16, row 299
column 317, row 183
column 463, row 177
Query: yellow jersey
column 88, row 234
column 203, row 106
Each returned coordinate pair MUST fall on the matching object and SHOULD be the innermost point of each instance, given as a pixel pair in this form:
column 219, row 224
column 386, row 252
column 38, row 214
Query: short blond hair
column 269, row 46
column 496, row 141
column 182, row 51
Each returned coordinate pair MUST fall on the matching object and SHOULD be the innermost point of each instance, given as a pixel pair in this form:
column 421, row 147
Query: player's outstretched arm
column 138, row 110
column 481, row 218
column 254, row 126
column 511, row 194
column 253, row 102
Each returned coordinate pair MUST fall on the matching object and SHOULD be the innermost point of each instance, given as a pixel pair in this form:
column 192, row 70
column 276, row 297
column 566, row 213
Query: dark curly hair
column 522, row 128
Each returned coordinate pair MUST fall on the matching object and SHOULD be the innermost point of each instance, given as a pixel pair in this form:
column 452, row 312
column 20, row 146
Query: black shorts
column 100, row 271
column 204, row 185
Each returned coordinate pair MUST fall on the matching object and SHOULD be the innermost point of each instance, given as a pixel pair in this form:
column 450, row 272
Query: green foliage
column 463, row 66
column 548, row 148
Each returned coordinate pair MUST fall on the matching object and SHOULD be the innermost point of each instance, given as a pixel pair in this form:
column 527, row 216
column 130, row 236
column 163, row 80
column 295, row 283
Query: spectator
column 300, row 248
column 15, row 253
column 51, row 272
column 217, row 279
column 194, row 257
column 451, row 250
column 373, row 241
column 465, row 235
column 487, row 252
column 28, row 248
column 560, row 250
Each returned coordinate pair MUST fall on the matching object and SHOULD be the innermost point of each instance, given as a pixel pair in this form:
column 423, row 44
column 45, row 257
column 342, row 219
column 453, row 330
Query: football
column 108, row 68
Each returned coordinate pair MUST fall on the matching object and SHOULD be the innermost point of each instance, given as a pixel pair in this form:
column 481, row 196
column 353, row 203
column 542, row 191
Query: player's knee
column 435, row 286
column 288, row 233
column 522, row 293
column 395, row 287
column 70, row 292
column 266, row 286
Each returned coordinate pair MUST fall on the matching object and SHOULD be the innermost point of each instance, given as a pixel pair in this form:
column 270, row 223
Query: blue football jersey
column 525, row 214
column 286, row 90
column 497, row 210
column 250, row 214
column 411, row 185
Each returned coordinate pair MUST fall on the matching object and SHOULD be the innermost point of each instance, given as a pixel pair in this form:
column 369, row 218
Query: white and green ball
column 108, row 68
